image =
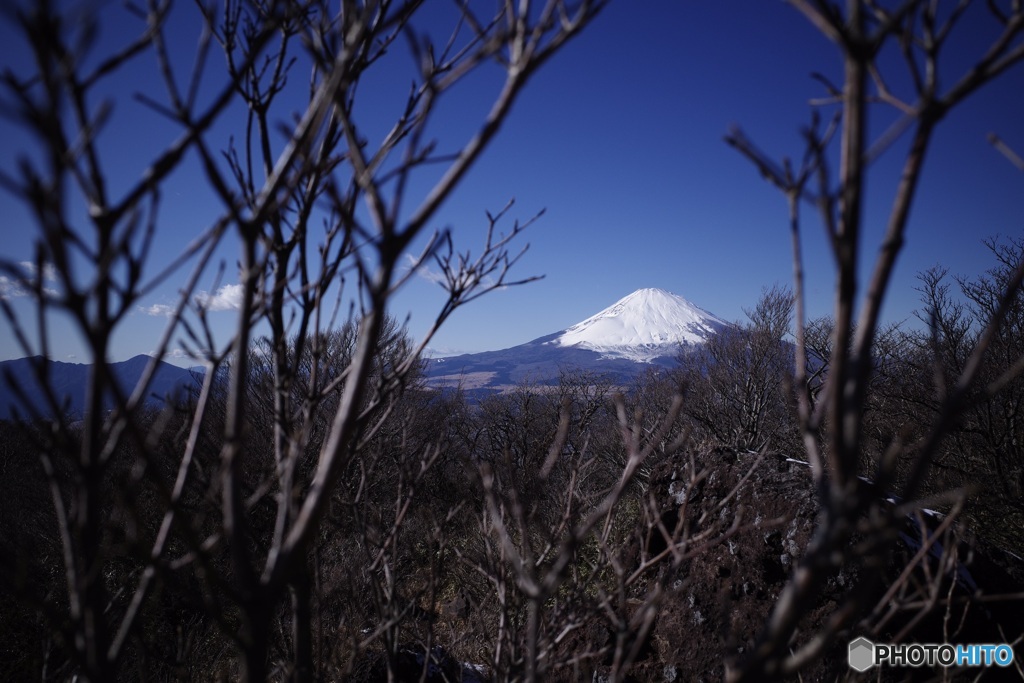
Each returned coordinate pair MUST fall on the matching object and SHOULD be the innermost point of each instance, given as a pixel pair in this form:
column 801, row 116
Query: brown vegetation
column 315, row 513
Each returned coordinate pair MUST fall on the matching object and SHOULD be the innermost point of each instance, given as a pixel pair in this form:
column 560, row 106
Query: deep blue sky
column 620, row 139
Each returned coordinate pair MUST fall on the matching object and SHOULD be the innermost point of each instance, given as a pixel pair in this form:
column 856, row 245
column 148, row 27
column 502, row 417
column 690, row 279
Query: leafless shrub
column 920, row 32
column 739, row 383
column 321, row 214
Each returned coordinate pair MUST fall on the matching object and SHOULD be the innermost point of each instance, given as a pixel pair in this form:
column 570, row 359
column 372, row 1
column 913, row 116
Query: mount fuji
column 648, row 327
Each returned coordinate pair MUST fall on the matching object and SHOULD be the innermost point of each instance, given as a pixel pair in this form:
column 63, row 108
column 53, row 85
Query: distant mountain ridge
column 648, row 327
column 69, row 380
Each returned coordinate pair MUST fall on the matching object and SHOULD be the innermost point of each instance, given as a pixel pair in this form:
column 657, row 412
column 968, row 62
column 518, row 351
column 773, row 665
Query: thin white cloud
column 179, row 354
column 424, row 272
column 157, row 310
column 11, row 289
column 227, row 298
column 463, row 278
column 49, row 271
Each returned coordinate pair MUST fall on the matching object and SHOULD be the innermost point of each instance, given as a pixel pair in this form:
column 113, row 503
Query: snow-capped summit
column 647, row 324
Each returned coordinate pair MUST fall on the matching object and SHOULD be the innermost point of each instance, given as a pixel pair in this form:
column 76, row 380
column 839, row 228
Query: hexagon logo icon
column 862, row 654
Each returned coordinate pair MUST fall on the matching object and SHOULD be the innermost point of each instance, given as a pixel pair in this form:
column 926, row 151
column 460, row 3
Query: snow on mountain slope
column 647, row 324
